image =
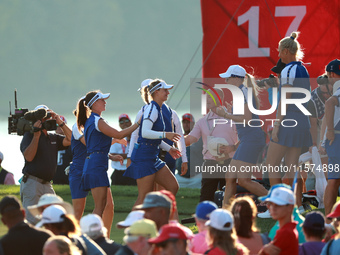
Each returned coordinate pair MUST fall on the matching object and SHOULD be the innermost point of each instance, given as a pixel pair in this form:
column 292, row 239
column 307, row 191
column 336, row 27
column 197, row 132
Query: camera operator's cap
column 282, row 196
column 221, row 219
column 97, row 96
column 90, row 224
column 188, row 117
column 155, row 199
column 1, row 156
column 335, row 211
column 42, row 106
column 49, row 199
column 132, row 217
column 123, row 115
column 314, row 220
column 334, row 66
column 9, row 203
column 53, row 214
column 234, row 71
column 263, row 198
column 144, row 83
column 144, row 227
column 161, row 85
column 279, row 66
column 169, row 231
column 204, row 209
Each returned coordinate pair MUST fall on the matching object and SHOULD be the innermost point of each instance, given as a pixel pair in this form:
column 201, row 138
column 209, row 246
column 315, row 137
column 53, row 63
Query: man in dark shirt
column 21, row 238
column 40, row 151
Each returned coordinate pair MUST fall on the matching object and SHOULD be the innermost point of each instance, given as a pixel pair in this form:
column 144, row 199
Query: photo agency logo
column 238, row 104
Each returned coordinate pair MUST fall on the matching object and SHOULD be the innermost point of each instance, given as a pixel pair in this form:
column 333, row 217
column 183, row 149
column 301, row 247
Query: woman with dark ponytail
column 98, row 136
column 146, row 167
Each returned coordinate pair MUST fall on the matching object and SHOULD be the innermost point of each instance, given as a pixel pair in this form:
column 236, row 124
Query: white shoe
column 264, row 215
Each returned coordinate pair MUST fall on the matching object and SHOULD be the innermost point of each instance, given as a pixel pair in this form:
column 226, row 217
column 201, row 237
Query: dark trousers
column 210, row 185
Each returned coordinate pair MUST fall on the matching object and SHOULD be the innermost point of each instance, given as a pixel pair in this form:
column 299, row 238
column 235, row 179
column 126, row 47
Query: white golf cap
column 49, row 199
column 91, row 224
column 281, row 196
column 131, row 218
column 42, row 106
column 96, row 97
column 144, row 83
column 234, row 71
column 161, row 85
column 214, row 143
column 221, row 219
column 53, row 214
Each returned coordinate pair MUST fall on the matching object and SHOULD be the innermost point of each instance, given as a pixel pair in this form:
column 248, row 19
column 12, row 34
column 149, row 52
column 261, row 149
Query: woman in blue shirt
column 146, row 167
column 98, row 137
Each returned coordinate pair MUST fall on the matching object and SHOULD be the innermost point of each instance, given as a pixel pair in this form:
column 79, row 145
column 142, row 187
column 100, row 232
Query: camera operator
column 40, row 151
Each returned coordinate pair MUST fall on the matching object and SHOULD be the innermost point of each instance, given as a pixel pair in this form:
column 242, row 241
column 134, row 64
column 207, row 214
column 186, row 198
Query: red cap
column 169, row 231
column 63, row 118
column 188, row 117
column 124, row 115
column 336, row 211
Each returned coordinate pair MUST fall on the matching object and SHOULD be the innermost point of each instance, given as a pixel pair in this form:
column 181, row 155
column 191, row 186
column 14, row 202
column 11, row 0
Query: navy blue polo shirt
column 44, row 164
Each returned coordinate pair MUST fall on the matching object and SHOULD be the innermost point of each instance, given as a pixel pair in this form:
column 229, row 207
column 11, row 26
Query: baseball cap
column 131, row 218
column 169, row 231
column 281, row 196
column 214, row 143
column 53, row 214
column 91, row 223
column 143, row 227
column 42, row 106
column 155, row 199
column 263, row 198
column 161, row 85
column 314, row 220
column 234, row 71
column 188, row 117
column 123, row 115
column 334, row 66
column 221, row 219
column 49, row 199
column 9, row 203
column 203, row 209
column 1, row 156
column 96, row 97
column 279, row 66
column 144, row 83
column 335, row 211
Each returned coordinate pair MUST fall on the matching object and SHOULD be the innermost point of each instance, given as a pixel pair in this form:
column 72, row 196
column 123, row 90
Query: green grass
column 124, row 197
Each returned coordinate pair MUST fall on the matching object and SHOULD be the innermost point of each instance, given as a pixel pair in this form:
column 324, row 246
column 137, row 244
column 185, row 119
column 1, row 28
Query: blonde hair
column 145, row 91
column 291, row 43
column 251, row 84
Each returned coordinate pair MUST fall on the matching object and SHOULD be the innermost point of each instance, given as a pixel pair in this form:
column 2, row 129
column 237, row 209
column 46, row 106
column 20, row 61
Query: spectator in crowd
column 173, row 213
column 244, row 211
column 47, row 200
column 40, row 151
column 55, row 219
column 198, row 242
column 171, row 240
column 212, row 135
column 21, row 238
column 6, row 177
column 117, row 177
column 64, row 160
column 221, row 234
column 333, row 246
column 157, row 207
column 314, row 230
column 332, row 143
column 92, row 225
column 132, row 217
column 281, row 204
column 60, row 245
column 195, row 158
column 137, row 236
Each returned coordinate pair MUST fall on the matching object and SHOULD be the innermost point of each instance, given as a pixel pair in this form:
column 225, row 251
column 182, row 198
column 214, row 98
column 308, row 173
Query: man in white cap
column 6, row 177
column 132, row 217
column 40, row 151
column 92, row 225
